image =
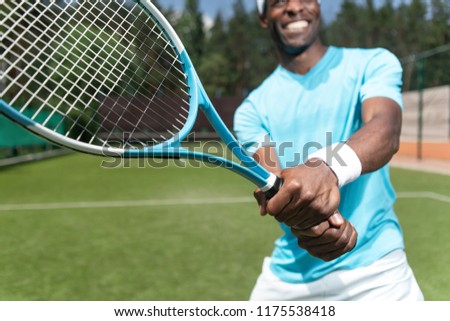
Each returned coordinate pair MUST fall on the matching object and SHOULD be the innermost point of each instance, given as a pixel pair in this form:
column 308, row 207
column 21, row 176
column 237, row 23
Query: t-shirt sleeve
column 249, row 128
column 383, row 77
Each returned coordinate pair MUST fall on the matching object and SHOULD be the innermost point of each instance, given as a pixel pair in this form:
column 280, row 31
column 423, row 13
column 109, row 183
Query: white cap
column 260, row 5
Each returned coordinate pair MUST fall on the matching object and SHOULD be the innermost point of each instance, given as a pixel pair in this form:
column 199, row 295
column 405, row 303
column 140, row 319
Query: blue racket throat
column 257, row 174
column 14, row 115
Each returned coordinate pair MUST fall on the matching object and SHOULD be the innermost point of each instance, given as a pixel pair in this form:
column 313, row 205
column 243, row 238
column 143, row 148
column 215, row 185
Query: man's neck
column 305, row 61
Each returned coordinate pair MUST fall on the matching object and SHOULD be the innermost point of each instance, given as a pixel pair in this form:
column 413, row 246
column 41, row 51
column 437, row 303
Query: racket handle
column 274, row 189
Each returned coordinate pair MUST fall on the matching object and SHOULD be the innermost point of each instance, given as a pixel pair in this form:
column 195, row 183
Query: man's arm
column 309, row 197
column 379, row 139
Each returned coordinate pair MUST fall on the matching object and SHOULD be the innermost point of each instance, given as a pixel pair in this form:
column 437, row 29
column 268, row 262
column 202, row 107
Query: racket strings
column 156, row 89
column 123, row 103
column 139, row 84
column 102, row 84
column 64, row 77
column 54, row 93
column 59, row 97
column 77, row 119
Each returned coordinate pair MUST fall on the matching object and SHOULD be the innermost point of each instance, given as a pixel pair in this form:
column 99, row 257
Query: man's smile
column 296, row 26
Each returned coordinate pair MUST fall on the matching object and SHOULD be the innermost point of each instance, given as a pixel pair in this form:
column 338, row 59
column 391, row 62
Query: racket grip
column 274, row 189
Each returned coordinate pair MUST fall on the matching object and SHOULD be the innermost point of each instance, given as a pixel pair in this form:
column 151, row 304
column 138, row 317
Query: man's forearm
column 379, row 139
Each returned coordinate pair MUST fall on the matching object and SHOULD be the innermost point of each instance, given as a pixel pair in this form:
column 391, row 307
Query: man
column 342, row 239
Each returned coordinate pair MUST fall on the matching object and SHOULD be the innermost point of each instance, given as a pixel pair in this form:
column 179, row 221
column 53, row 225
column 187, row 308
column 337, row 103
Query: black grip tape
column 274, row 189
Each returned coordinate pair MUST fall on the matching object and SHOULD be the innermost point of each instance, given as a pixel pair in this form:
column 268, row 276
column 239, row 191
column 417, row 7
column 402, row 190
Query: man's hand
column 307, row 202
column 309, row 196
column 339, row 238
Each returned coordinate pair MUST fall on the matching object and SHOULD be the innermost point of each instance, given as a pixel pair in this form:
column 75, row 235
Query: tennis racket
column 108, row 78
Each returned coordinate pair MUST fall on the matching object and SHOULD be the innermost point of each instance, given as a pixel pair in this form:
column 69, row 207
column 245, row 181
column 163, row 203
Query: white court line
column 430, row 195
column 175, row 202
column 116, row 204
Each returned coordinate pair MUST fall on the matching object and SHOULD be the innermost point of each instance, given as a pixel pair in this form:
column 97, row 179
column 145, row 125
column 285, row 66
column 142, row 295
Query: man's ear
column 263, row 22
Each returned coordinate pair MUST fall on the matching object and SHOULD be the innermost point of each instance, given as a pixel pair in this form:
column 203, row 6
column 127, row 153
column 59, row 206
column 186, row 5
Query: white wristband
column 342, row 160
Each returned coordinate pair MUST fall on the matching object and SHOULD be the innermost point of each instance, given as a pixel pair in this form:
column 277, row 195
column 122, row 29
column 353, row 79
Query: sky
column 211, row 7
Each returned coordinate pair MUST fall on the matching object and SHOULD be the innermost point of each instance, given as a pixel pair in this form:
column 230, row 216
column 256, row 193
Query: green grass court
column 82, row 239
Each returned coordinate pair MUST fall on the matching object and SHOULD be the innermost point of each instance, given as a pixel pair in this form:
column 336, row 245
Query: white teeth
column 297, row 25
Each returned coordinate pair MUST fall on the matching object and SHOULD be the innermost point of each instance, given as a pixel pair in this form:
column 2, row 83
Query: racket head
column 107, row 77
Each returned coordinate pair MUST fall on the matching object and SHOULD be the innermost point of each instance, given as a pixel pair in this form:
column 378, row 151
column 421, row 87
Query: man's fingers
column 336, row 220
column 330, row 237
column 330, row 256
column 278, row 203
column 311, row 233
column 332, row 244
column 262, row 201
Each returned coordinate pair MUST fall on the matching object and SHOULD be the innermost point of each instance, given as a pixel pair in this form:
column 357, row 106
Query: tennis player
column 327, row 121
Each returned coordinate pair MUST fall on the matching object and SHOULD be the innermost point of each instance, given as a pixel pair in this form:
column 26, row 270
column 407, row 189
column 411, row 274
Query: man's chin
column 293, row 50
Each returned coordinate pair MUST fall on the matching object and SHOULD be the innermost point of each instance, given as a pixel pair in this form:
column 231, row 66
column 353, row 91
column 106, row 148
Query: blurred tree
column 372, row 25
column 440, row 17
column 406, row 30
column 388, row 31
column 438, row 68
column 190, row 28
column 238, row 47
column 262, row 55
column 416, row 27
column 250, row 50
column 215, row 69
column 348, row 29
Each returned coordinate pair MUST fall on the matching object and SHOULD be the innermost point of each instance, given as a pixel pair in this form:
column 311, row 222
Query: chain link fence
column 426, row 97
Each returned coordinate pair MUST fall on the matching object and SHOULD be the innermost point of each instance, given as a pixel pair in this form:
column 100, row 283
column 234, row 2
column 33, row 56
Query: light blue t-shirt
column 301, row 113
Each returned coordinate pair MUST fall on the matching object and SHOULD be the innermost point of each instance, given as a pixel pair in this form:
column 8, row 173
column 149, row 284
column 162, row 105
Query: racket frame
column 171, row 148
